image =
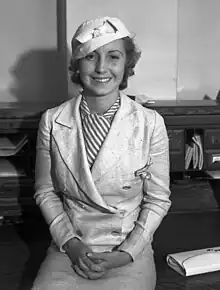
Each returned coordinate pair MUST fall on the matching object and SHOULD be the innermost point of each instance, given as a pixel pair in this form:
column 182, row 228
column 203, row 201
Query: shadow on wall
column 40, row 76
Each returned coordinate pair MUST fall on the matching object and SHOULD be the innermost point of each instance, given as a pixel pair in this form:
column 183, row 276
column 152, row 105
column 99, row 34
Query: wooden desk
column 18, row 119
column 182, row 119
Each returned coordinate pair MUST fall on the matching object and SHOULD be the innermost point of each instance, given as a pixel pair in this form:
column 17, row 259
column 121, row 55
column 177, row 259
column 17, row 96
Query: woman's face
column 102, row 70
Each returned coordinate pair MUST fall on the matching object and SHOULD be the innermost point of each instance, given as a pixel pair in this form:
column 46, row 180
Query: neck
column 100, row 104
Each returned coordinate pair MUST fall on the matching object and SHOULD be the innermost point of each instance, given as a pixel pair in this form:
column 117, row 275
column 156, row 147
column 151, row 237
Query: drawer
column 177, row 162
column 212, row 159
column 212, row 139
column 176, row 140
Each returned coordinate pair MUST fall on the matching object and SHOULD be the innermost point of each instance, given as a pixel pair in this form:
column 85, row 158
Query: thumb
column 95, row 256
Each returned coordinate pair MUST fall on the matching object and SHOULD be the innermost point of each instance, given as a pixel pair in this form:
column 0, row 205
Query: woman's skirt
column 56, row 273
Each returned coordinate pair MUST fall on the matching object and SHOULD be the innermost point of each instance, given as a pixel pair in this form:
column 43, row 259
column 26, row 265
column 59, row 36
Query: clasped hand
column 92, row 265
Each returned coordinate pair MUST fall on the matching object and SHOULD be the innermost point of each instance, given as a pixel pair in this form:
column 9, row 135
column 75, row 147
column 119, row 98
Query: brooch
column 143, row 172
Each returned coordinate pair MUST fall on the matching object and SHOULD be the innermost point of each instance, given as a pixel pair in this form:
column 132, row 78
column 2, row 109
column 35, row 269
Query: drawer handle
column 216, row 158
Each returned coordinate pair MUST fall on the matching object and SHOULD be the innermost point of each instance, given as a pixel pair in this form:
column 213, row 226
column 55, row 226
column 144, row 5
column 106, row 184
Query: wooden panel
column 176, row 140
column 177, row 162
column 212, row 139
column 184, row 121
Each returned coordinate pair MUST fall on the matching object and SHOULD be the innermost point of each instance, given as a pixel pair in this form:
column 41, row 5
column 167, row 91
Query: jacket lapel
column 65, row 134
column 68, row 136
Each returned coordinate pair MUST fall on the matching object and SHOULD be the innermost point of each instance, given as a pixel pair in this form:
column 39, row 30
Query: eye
column 114, row 56
column 90, row 57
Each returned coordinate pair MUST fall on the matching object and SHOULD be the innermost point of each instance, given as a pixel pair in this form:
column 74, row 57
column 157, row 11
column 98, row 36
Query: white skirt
column 56, row 273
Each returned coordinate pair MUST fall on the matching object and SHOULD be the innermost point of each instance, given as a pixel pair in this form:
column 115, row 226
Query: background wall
column 155, row 25
column 180, row 44
column 198, row 48
column 32, row 69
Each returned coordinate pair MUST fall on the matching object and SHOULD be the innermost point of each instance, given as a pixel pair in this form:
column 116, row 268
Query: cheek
column 84, row 75
column 119, row 72
column 85, row 68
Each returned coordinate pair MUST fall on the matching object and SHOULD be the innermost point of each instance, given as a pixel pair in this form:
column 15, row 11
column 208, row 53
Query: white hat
column 95, row 33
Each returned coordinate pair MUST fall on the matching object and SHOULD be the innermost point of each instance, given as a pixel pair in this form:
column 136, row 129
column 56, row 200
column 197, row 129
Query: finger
column 95, row 275
column 103, row 258
column 82, row 265
column 79, row 271
column 97, row 256
column 96, row 261
column 89, row 263
column 91, row 267
column 103, row 264
column 89, row 274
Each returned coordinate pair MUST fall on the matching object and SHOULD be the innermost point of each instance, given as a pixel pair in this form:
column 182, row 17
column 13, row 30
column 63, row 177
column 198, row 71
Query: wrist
column 126, row 256
column 71, row 243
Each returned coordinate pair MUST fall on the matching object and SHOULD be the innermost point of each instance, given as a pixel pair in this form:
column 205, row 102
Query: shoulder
column 52, row 113
column 148, row 115
column 153, row 123
column 55, row 111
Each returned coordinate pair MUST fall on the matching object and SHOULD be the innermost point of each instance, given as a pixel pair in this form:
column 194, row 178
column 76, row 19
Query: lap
column 56, row 273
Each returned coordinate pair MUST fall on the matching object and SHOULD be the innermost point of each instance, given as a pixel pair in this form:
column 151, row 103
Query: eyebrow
column 110, row 51
column 115, row 50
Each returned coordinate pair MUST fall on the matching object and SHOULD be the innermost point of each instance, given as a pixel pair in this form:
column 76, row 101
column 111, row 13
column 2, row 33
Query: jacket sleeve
column 156, row 192
column 46, row 197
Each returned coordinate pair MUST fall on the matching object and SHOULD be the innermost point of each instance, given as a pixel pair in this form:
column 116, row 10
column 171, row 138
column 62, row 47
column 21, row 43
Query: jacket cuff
column 136, row 243
column 62, row 231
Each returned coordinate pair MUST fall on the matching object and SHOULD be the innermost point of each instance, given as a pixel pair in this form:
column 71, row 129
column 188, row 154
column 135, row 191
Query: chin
column 102, row 92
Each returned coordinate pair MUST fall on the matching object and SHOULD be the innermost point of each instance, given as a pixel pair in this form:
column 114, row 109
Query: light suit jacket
column 112, row 205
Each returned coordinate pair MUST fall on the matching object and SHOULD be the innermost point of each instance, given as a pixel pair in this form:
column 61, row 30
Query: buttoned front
column 108, row 206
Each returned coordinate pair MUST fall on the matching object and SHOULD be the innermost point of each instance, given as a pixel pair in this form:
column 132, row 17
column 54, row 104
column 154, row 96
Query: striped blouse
column 96, row 127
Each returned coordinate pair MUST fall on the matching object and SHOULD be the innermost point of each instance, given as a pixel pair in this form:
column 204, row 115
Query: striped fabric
column 95, row 128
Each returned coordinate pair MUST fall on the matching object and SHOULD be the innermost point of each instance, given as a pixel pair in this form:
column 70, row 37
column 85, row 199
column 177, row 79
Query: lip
column 102, row 80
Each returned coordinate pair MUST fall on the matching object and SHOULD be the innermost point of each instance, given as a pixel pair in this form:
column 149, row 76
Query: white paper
column 195, row 262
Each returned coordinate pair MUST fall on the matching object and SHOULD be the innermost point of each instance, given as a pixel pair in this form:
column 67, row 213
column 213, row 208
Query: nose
column 101, row 65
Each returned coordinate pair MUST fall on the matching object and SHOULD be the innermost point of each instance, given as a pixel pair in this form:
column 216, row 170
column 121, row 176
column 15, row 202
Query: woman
column 102, row 171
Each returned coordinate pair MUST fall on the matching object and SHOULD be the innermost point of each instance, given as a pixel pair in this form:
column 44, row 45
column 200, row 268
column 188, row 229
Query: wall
column 31, row 67
column 180, row 44
column 155, row 24
column 198, row 49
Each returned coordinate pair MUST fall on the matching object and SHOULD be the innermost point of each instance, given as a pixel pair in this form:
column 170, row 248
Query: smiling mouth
column 102, row 80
